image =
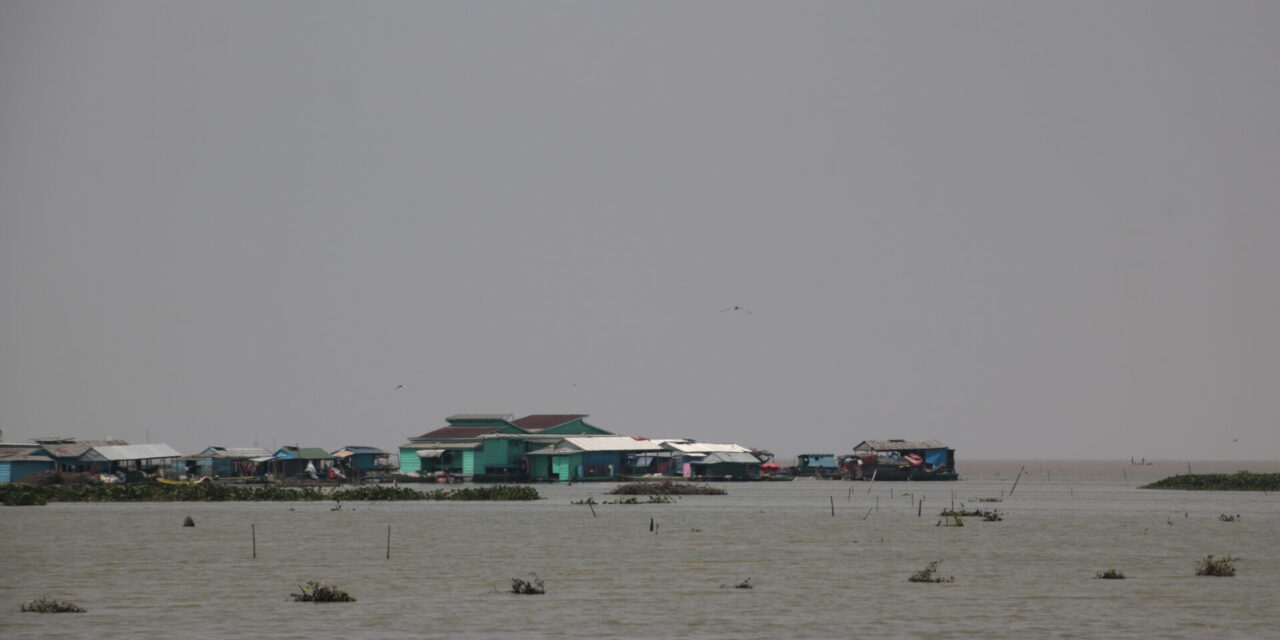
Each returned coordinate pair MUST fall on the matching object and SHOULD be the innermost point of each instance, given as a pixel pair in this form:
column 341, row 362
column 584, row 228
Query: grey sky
column 1028, row 229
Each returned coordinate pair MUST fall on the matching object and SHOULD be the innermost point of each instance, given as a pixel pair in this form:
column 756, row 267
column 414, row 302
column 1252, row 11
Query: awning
column 430, row 453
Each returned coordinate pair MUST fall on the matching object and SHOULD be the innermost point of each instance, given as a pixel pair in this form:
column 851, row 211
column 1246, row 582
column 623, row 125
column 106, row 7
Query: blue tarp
column 936, row 457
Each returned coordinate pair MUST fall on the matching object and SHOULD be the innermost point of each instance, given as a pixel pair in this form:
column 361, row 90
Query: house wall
column 409, row 461
column 11, row 471
column 574, row 427
column 566, row 466
column 469, row 463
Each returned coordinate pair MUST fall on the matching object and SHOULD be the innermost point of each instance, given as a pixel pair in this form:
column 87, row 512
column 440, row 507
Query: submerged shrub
column 1109, row 574
column 929, row 574
column 1226, row 518
column 665, row 488
column 45, row 604
column 1220, row 567
column 528, row 587
column 317, row 592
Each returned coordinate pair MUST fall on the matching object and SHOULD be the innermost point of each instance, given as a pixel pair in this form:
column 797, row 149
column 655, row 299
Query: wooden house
column 130, row 458
column 66, row 452
column 223, row 462
column 579, row 458
column 489, row 446
column 289, row 462
column 356, row 461
column 20, row 460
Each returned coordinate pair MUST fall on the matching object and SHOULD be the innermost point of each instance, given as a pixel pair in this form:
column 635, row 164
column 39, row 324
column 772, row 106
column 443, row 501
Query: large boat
column 901, row 460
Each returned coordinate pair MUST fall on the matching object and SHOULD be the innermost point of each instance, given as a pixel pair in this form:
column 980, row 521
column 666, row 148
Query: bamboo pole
column 833, row 506
column 873, row 480
column 388, row 542
column 920, row 507
column 253, row 531
column 1015, row 480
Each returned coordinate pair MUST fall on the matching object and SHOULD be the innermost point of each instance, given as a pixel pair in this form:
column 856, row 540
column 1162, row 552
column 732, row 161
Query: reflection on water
column 142, row 574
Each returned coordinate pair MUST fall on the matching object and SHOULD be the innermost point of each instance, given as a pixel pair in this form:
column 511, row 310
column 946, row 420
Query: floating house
column 489, row 446
column 903, row 460
column 289, row 462
column 358, row 460
column 20, row 460
column 223, row 462
column 582, row 458
column 726, row 465
column 129, row 458
column 66, row 452
column 815, row 465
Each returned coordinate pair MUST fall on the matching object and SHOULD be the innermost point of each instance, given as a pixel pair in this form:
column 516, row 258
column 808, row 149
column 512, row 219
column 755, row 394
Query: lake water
column 141, row 574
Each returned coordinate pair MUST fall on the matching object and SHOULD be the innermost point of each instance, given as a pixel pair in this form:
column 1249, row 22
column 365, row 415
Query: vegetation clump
column 665, row 488
column 635, row 500
column 317, row 592
column 1109, row 574
column 745, row 584
column 930, row 574
column 992, row 516
column 531, row 587
column 1228, row 518
column 12, row 494
column 1239, row 481
column 1220, row 567
column 988, row 500
column 46, row 604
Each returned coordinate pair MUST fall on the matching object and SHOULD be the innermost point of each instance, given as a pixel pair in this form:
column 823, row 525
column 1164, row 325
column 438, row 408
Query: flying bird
column 399, row 386
column 736, row 308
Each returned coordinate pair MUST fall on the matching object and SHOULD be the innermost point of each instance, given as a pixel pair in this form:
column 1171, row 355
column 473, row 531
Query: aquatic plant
column 930, row 574
column 317, row 592
column 588, row 502
column 1226, row 518
column 665, row 488
column 528, row 587
column 46, row 604
column 988, row 499
column 955, row 521
column 745, row 584
column 1109, row 574
column 635, row 500
column 1239, row 481
column 992, row 516
column 18, row 495
column 1220, row 567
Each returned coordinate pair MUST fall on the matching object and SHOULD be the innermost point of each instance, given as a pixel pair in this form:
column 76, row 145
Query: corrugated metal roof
column 452, row 446
column 898, row 445
column 304, row 453
column 233, row 453
column 464, row 417
column 23, row 454
column 348, row 451
column 689, row 446
column 78, row 448
column 132, row 452
column 728, row 456
column 540, row 421
column 460, row 432
column 609, row 443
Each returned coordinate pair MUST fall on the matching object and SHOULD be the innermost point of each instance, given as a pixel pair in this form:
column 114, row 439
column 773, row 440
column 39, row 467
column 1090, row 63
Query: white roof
column 689, row 446
column 609, row 443
column 131, row 452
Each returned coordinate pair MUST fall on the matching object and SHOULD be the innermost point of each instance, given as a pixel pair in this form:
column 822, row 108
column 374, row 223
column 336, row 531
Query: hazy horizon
column 1029, row 230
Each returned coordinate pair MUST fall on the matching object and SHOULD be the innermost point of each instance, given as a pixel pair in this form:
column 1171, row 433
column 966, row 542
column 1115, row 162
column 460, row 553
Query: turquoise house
column 489, row 446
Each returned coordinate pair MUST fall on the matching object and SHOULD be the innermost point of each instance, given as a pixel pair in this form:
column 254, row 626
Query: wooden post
column 388, row 542
column 833, row 506
column 873, row 480
column 253, row 531
column 651, row 524
column 593, row 507
column 1015, row 480
column 920, row 507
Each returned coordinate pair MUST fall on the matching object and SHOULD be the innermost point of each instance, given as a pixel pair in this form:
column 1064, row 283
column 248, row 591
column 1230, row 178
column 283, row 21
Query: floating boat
column 901, row 460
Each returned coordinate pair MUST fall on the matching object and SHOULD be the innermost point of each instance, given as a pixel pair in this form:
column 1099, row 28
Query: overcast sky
column 1031, row 230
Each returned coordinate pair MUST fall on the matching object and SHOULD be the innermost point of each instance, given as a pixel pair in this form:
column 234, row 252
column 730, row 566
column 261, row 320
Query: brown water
column 142, row 575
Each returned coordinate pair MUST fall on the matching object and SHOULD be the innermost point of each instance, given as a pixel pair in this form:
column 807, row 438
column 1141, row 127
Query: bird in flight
column 399, row 386
column 736, row 308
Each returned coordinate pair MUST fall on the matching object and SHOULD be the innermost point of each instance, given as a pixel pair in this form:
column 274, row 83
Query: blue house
column 223, row 462
column 356, row 460
column 67, row 452
column 18, row 461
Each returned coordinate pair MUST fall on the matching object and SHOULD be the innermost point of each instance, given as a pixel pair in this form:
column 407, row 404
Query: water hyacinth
column 317, row 592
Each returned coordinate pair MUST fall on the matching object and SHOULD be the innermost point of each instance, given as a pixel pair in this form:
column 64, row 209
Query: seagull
column 736, row 308
column 399, row 386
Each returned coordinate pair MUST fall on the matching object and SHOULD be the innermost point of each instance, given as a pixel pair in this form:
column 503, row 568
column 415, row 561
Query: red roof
column 460, row 432
column 540, row 421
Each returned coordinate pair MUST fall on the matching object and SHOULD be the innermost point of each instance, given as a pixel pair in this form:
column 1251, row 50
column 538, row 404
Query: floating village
column 477, row 447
